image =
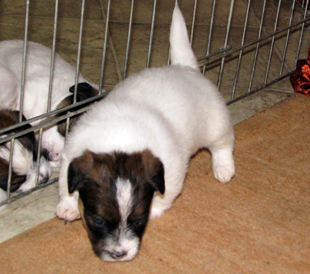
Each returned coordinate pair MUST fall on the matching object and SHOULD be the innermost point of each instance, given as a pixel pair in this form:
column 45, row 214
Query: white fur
column 127, row 242
column 36, row 85
column 172, row 111
column 124, row 198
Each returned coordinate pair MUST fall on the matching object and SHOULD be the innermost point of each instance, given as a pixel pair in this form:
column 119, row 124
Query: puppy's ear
column 77, row 171
column 84, row 91
column 16, row 180
column 154, row 170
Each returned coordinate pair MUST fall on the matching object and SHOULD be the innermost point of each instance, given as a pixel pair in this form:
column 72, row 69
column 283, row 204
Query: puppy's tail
column 181, row 52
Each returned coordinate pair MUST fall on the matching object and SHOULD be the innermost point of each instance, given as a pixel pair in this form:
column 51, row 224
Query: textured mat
column 258, row 223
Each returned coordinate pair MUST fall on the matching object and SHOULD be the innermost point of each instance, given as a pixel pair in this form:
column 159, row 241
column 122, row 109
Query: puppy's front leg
column 67, row 207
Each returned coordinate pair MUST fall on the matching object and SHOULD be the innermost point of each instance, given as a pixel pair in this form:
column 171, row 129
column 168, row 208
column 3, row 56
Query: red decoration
column 300, row 79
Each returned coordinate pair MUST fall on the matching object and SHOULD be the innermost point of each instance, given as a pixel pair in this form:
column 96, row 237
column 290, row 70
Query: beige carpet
column 259, row 223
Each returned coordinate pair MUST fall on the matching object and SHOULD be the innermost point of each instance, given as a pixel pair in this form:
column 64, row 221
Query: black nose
column 118, row 254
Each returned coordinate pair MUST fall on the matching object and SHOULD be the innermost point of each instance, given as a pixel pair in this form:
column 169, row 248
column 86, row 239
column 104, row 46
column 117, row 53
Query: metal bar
column 21, row 99
column 8, row 192
column 50, row 88
column 38, row 157
column 78, row 61
column 128, row 39
column 253, row 43
column 219, row 51
column 219, row 81
column 301, row 34
column 112, row 47
column 210, row 33
column 106, row 31
column 287, row 38
column 241, row 51
column 50, row 114
column 257, row 47
column 23, row 194
column 193, row 22
column 151, row 35
column 98, row 97
column 272, row 42
column 52, row 121
column 258, row 89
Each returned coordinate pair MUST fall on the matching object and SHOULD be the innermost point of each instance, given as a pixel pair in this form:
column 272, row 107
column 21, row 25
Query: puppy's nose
column 118, row 254
column 55, row 155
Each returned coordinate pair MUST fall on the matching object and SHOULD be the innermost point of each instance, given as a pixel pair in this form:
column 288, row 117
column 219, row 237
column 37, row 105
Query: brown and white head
column 116, row 192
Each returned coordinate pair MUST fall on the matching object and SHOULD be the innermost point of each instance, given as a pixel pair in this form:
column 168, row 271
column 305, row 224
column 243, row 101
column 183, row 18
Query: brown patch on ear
column 84, row 91
column 65, row 102
column 9, row 118
column 77, row 171
column 62, row 125
column 89, row 166
column 155, row 170
column 145, row 164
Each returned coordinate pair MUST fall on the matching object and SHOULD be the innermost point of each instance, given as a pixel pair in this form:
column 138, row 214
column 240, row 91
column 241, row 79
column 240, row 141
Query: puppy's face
column 116, row 191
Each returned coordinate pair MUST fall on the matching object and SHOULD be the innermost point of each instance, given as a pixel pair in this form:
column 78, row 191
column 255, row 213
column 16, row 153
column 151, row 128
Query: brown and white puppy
column 24, row 162
column 36, row 87
column 127, row 157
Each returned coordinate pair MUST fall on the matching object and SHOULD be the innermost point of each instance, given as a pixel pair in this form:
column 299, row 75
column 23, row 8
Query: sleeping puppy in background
column 127, row 157
column 36, row 87
column 25, row 153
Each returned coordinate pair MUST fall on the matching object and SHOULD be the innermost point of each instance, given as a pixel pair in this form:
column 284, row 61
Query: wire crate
column 243, row 46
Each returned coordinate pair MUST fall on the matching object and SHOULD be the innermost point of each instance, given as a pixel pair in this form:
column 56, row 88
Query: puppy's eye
column 98, row 221
column 139, row 222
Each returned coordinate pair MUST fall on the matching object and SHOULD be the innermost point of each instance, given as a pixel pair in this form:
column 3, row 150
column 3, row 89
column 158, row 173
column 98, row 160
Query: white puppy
column 36, row 88
column 127, row 157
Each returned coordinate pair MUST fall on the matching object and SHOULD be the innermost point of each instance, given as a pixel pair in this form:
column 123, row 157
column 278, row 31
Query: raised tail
column 181, row 52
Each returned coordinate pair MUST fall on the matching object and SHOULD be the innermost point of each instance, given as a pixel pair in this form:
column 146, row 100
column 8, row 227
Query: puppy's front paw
column 156, row 212
column 68, row 209
column 224, row 173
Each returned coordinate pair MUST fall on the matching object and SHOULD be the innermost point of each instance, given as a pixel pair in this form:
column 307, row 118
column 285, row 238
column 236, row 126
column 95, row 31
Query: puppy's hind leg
column 223, row 165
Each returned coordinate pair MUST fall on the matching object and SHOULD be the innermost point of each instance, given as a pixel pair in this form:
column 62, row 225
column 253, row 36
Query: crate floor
column 257, row 223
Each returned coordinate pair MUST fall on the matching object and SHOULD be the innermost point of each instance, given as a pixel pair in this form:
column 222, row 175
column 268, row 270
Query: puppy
column 36, row 87
column 127, row 157
column 25, row 153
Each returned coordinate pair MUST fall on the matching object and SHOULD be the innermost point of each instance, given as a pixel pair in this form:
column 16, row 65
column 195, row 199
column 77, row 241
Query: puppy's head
column 116, row 191
column 53, row 137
